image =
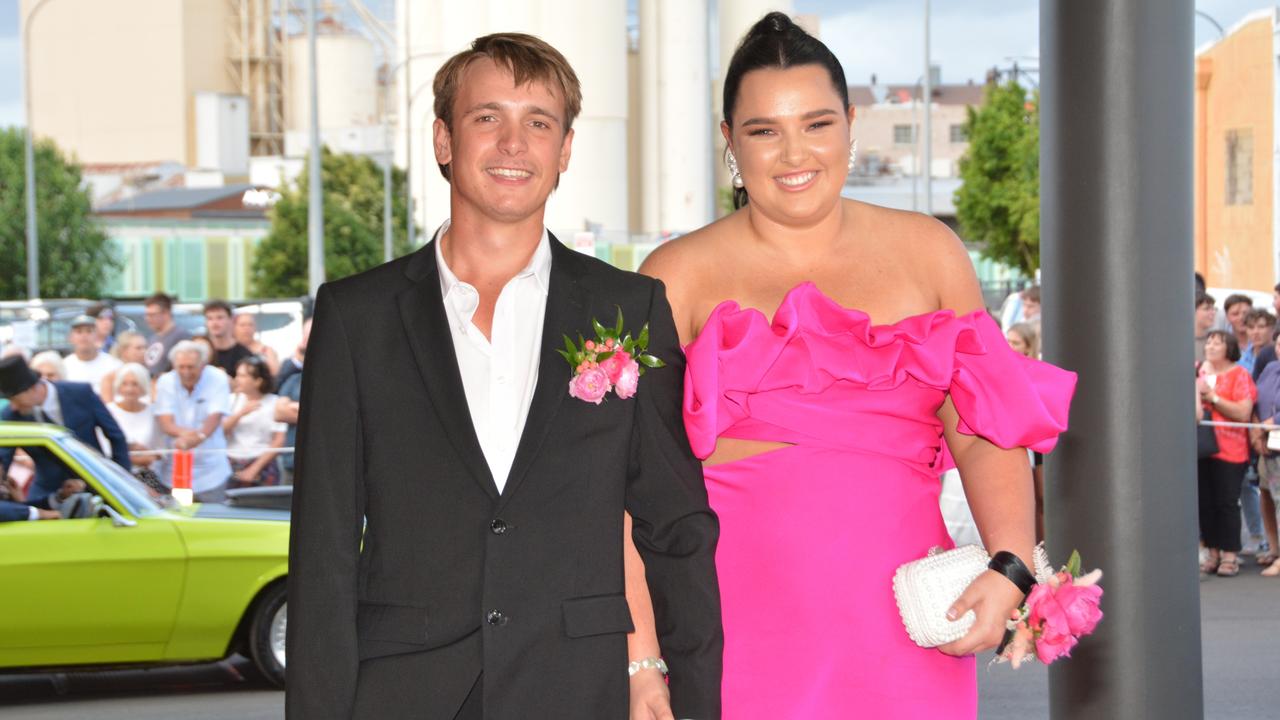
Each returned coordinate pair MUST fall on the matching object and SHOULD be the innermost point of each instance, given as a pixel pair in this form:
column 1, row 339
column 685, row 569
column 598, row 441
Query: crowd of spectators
column 215, row 394
column 1238, row 476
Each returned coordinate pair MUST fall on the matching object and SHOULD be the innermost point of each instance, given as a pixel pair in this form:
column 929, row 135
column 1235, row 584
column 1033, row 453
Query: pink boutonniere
column 612, row 361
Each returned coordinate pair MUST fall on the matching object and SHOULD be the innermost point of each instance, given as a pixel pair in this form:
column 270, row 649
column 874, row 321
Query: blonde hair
column 1029, row 336
column 528, row 58
column 123, row 339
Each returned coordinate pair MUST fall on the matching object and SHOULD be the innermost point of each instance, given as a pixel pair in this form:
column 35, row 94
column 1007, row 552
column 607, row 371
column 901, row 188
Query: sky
column 885, row 37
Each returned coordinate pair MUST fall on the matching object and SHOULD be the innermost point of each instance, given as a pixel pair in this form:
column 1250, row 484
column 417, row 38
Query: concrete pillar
column 592, row 37
column 677, row 100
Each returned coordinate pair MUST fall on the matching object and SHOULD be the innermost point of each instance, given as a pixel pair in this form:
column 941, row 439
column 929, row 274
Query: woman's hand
column 1203, row 389
column 993, row 598
column 650, row 698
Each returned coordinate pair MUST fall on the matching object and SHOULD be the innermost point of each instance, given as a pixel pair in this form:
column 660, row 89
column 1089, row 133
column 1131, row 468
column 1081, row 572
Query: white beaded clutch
column 926, row 588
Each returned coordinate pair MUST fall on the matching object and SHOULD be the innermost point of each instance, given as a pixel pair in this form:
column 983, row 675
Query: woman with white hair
column 49, row 365
column 131, row 387
column 130, row 347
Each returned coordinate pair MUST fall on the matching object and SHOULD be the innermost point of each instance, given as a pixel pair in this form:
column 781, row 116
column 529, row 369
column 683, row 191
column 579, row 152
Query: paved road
column 1240, row 621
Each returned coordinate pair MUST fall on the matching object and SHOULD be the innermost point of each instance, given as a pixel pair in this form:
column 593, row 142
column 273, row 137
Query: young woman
column 831, row 347
column 251, row 428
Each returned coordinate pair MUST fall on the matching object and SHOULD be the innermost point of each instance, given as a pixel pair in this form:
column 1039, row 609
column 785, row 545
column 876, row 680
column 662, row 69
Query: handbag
column 1206, row 439
column 926, row 588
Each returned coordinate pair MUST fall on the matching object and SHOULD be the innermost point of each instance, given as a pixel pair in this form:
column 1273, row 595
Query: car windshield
column 136, row 497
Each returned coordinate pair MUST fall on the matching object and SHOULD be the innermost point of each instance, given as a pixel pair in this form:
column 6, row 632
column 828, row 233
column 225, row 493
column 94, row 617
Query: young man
column 87, row 363
column 457, row 538
column 227, row 353
column 164, row 333
column 1261, row 325
column 1237, row 308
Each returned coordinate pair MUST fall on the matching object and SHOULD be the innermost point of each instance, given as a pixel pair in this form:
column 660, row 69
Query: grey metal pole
column 928, row 117
column 1116, row 233
column 315, row 196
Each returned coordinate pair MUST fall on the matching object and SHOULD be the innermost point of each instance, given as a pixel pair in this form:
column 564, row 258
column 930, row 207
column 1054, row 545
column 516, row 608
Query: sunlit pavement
column 1241, row 631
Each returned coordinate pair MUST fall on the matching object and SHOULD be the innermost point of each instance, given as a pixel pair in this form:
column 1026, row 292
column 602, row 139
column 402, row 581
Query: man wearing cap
column 72, row 405
column 87, row 363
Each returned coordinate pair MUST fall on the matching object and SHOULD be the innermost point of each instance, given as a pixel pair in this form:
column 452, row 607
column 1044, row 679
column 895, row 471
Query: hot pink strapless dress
column 810, row 534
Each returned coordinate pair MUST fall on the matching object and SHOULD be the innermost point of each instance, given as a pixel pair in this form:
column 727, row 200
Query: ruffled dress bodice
column 817, row 367
column 811, row 532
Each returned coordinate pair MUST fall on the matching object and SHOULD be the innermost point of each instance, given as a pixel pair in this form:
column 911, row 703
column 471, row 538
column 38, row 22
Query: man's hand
column 48, row 514
column 187, row 439
column 650, row 698
column 70, row 487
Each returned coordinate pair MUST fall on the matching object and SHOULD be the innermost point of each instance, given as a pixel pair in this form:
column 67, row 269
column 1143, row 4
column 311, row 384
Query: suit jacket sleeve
column 674, row 527
column 327, row 522
column 12, row 511
column 106, row 422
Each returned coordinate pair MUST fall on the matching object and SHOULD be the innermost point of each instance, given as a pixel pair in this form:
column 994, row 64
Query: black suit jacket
column 83, row 414
column 453, row 579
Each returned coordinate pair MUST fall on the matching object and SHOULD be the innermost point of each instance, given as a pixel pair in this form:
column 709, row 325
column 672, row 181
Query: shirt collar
column 539, row 267
column 51, row 398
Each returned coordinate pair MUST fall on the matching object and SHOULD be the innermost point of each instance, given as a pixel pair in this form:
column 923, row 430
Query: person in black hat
column 72, row 405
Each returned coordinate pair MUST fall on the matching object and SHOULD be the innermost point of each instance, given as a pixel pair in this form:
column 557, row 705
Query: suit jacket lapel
column 566, row 310
column 423, row 315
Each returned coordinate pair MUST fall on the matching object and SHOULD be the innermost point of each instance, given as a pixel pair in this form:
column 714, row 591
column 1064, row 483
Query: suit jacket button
column 497, row 527
column 495, row 617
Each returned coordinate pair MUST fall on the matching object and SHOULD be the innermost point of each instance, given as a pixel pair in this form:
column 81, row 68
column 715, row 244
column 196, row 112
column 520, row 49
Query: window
column 959, row 135
column 1240, row 167
column 903, row 135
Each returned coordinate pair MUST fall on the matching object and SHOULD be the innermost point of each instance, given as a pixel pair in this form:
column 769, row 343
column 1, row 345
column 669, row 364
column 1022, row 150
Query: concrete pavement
column 1240, row 625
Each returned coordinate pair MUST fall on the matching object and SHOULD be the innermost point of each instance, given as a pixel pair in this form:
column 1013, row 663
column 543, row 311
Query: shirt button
column 495, row 617
column 498, row 527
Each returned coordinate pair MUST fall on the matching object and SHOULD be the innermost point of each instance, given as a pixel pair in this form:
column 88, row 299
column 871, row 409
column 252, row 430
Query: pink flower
column 612, row 366
column 590, row 385
column 628, row 379
column 590, row 345
column 1080, row 606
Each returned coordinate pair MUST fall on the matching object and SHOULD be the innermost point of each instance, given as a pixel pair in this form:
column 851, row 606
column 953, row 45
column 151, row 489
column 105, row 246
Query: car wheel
column 267, row 634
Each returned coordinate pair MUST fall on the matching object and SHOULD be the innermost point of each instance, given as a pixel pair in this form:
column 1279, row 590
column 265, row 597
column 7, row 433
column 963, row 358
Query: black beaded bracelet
column 1012, row 567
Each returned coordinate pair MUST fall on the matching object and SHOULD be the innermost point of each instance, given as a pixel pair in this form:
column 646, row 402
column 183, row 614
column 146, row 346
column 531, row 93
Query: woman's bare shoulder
column 930, row 251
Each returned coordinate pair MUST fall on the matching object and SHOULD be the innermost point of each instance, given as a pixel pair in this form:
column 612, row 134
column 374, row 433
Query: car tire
column 267, row 634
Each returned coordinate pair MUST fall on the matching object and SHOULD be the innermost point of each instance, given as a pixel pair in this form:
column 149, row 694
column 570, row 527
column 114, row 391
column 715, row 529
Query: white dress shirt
column 499, row 374
column 51, row 408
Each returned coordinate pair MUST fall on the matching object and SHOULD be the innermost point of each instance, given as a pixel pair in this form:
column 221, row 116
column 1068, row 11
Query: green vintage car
column 138, row 581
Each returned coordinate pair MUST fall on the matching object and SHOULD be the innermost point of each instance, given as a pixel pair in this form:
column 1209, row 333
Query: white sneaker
column 1204, row 555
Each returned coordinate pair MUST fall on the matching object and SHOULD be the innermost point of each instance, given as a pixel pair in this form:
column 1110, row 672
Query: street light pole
column 315, row 190
column 33, row 238
column 928, row 118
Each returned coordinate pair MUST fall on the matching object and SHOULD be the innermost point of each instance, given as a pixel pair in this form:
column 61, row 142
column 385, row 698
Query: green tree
column 74, row 251
column 998, row 204
column 353, row 204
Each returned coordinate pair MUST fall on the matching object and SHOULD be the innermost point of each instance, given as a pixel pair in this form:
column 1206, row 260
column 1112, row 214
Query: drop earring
column 853, row 154
column 731, row 162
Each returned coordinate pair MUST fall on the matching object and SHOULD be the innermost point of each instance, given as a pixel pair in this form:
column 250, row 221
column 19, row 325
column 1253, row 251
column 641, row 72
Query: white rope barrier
column 206, row 451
